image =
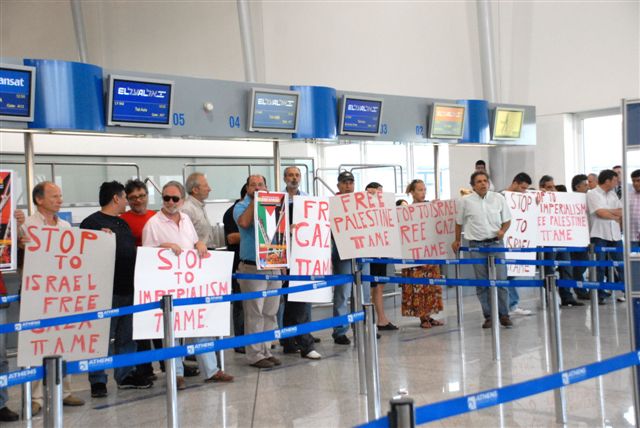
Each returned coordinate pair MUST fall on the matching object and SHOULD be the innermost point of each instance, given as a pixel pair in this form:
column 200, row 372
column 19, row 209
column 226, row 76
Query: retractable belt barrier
column 123, row 360
column 615, row 249
column 424, row 261
column 494, row 397
column 583, row 263
column 568, row 283
column 456, row 282
column 127, row 310
column 525, row 250
column 10, row 298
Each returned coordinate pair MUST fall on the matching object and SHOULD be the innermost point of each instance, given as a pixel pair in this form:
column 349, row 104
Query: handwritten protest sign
column 427, row 229
column 271, row 219
column 562, row 219
column 311, row 246
column 66, row 271
column 523, row 232
column 159, row 272
column 365, row 225
column 8, row 253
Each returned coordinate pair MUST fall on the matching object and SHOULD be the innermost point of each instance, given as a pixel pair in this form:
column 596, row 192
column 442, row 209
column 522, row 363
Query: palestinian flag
column 272, row 230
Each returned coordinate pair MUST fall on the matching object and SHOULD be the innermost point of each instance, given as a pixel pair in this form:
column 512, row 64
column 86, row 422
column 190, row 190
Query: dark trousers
column 296, row 313
column 146, row 369
column 565, row 272
column 237, row 311
column 604, row 271
column 578, row 272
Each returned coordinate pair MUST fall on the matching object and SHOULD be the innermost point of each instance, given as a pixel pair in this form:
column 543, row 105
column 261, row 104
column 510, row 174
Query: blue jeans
column 122, row 332
column 208, row 362
column 514, row 297
column 482, row 272
column 4, row 362
column 604, row 271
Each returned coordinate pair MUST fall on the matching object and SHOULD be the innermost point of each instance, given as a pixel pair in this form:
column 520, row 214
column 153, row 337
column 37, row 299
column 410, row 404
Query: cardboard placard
column 523, row 232
column 159, row 272
column 271, row 219
column 563, row 219
column 427, row 229
column 66, row 271
column 311, row 246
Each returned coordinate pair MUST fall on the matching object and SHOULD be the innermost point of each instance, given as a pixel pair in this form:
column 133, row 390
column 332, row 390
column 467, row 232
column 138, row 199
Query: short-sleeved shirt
column 602, row 228
column 160, row 229
column 37, row 219
column 634, row 214
column 198, row 214
column 136, row 222
column 247, row 234
column 482, row 218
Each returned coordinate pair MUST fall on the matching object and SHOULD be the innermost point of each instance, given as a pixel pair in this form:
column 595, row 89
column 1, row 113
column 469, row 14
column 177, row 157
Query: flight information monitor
column 272, row 110
column 17, row 91
column 447, row 121
column 360, row 116
column 139, row 102
column 507, row 123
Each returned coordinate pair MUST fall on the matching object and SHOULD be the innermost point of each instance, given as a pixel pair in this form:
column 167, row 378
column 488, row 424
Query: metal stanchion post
column 593, row 276
column 401, row 413
column 52, row 383
column 543, row 297
column 459, row 304
column 359, row 327
column 371, row 362
column 556, row 346
column 170, row 364
column 611, row 274
column 495, row 317
column 26, row 401
column 221, row 357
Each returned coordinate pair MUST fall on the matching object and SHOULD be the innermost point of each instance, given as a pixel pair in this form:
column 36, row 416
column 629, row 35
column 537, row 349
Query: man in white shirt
column 605, row 219
column 485, row 218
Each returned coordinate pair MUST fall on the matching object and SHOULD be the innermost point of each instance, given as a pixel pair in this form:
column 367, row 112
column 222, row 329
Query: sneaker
column 98, row 390
column 290, row 350
column 180, row 383
column 220, row 376
column 263, row 364
column 135, row 382
column 342, row 340
column 37, row 407
column 7, row 415
column 275, row 361
column 313, row 355
column 569, row 303
column 519, row 311
column 72, row 400
column 486, row 323
column 505, row 321
column 621, row 299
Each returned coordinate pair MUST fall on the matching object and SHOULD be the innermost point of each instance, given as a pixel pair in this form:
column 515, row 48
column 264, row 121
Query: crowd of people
column 483, row 218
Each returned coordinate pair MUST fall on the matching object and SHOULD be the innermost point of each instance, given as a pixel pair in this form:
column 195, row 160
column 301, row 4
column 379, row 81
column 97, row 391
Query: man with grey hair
column 173, row 229
column 198, row 189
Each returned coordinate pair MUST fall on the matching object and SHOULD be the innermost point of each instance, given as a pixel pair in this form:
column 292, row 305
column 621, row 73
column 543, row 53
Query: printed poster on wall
column 159, row 272
column 365, row 225
column 311, row 246
column 8, row 239
column 271, row 219
column 523, row 232
column 427, row 229
column 66, row 271
column 562, row 219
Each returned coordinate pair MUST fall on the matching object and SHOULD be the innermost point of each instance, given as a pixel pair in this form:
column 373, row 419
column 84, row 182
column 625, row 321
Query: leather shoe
column 275, row 361
column 72, row 400
column 220, row 376
column 571, row 303
column 7, row 415
column 263, row 364
column 506, row 321
column 388, row 326
column 190, row 371
column 342, row 340
column 486, row 323
column 181, row 384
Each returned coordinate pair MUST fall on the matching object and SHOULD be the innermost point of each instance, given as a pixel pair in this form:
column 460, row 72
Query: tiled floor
column 433, row 365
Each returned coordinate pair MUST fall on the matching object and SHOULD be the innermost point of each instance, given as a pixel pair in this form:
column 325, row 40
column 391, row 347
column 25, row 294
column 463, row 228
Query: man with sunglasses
column 170, row 228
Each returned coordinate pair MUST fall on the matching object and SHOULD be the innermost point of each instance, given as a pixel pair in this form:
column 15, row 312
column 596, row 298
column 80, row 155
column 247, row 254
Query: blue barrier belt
column 567, row 283
column 127, row 310
column 10, row 298
column 123, row 360
column 494, row 397
column 456, row 282
column 424, row 261
column 21, row 376
column 615, row 249
column 257, row 276
column 585, row 263
column 525, row 250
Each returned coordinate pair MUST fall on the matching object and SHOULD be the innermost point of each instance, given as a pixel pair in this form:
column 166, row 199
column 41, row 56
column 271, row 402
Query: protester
column 113, row 203
column 420, row 300
column 259, row 314
column 618, row 189
column 579, row 184
column 485, row 218
column 634, row 208
column 593, row 181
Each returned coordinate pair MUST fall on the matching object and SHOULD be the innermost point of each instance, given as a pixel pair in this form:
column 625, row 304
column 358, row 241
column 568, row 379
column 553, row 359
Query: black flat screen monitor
column 17, row 92
column 139, row 102
column 360, row 116
column 507, row 123
column 447, row 121
column 272, row 110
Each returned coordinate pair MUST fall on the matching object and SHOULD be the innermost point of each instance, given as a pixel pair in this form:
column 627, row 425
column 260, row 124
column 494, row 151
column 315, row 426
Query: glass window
column 602, row 142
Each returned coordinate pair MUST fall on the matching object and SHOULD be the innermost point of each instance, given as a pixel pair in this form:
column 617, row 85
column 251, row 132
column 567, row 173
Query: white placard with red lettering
column 365, row 225
column 159, row 271
column 66, row 271
column 310, row 246
column 427, row 229
column 562, row 219
column 523, row 232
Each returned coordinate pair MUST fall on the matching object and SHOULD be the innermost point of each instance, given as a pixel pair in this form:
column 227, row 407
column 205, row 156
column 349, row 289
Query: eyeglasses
column 136, row 197
column 168, row 198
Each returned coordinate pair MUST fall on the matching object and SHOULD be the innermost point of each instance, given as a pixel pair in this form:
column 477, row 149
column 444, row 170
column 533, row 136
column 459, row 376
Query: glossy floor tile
column 432, row 365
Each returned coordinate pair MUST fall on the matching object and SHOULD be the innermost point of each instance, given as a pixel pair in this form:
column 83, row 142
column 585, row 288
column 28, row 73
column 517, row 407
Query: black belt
column 248, row 262
column 485, row 241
